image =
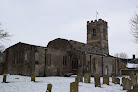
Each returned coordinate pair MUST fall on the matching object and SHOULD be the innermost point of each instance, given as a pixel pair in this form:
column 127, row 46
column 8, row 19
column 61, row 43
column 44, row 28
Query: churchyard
column 75, row 83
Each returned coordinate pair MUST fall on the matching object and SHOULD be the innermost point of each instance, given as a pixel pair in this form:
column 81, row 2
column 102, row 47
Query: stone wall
column 57, row 49
column 60, row 57
column 107, row 65
column 97, row 35
column 20, row 59
column 40, row 61
column 128, row 71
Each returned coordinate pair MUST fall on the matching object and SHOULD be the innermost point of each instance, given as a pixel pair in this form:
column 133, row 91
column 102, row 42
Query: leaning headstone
column 97, row 80
column 77, row 80
column 4, row 78
column 49, row 87
column 113, row 79
column 87, row 78
column 127, row 84
column 117, row 81
column 33, row 77
column 80, row 76
column 106, row 79
column 73, row 87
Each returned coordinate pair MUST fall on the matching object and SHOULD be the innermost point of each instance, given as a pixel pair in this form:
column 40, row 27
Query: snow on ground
column 60, row 84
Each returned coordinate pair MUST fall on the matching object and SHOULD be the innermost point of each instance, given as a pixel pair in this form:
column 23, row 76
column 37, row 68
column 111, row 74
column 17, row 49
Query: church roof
column 65, row 44
column 85, row 47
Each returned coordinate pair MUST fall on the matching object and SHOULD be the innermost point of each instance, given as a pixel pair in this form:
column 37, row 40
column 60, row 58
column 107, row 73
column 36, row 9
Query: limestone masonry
column 62, row 57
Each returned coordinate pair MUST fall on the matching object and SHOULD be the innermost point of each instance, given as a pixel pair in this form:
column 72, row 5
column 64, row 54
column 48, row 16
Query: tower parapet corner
column 99, row 21
column 88, row 22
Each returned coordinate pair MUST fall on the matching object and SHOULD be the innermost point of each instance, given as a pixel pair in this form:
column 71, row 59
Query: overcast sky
column 39, row 21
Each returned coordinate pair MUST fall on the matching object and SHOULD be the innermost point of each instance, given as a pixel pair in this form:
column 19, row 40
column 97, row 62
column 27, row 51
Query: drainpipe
column 45, row 63
column 102, row 65
column 90, row 62
column 83, row 62
column 115, row 65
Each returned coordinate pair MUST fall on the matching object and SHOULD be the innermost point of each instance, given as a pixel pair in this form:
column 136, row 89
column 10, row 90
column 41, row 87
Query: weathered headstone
column 80, row 76
column 127, row 84
column 33, row 77
column 87, row 78
column 106, row 79
column 77, row 80
column 113, row 79
column 49, row 87
column 73, row 87
column 97, row 80
column 4, row 78
column 123, row 78
column 133, row 80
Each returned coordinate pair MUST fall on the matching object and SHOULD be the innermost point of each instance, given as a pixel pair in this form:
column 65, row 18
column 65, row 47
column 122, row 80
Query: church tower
column 97, row 35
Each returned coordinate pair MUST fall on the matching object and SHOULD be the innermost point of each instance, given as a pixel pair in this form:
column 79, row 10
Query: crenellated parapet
column 100, row 21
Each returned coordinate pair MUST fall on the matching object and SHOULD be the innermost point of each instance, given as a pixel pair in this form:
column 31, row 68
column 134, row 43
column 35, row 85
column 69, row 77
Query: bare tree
column 134, row 26
column 3, row 35
column 121, row 55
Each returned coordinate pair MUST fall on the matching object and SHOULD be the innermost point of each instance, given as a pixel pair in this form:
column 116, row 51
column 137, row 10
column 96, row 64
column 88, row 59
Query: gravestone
column 33, row 77
column 4, row 78
column 73, row 87
column 97, row 80
column 80, row 76
column 113, row 79
column 137, row 77
column 87, row 78
column 106, row 79
column 49, row 87
column 127, row 84
column 77, row 80
column 133, row 80
column 135, row 88
column 123, row 78
column 117, row 81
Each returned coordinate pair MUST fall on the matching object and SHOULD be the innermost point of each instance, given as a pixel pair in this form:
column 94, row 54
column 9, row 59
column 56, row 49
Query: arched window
column 93, row 32
column 74, row 62
column 106, row 70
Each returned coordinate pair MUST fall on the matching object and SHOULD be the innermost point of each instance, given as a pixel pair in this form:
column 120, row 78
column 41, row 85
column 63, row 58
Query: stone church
column 62, row 56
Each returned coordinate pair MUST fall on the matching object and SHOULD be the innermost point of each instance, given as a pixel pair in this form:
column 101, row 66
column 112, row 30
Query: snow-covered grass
column 60, row 84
